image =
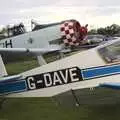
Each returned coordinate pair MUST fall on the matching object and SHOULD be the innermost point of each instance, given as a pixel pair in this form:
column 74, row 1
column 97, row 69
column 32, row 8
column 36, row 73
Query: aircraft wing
column 35, row 51
column 114, row 85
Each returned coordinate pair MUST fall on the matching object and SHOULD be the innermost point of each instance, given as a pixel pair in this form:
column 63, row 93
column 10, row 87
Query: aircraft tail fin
column 3, row 71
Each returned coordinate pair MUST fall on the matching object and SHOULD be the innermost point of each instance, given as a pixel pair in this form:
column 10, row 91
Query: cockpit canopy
column 111, row 52
column 16, row 30
column 11, row 31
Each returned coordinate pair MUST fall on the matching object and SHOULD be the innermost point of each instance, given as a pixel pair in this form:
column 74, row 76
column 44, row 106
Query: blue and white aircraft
column 98, row 66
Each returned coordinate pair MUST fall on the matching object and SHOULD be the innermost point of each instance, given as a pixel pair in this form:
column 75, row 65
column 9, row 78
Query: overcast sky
column 94, row 12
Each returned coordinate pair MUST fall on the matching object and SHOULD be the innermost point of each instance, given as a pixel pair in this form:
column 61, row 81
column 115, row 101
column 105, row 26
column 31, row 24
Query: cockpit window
column 111, row 53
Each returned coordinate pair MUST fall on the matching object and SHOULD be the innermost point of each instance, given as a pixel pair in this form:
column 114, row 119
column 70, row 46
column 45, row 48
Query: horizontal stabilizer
column 34, row 51
column 110, row 85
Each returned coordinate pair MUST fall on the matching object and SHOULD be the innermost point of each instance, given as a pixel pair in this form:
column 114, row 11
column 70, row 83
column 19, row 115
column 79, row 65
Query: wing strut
column 41, row 60
column 3, row 71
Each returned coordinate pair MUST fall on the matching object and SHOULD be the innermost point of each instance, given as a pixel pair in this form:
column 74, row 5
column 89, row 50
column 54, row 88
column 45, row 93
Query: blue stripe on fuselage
column 12, row 87
column 95, row 72
column 88, row 73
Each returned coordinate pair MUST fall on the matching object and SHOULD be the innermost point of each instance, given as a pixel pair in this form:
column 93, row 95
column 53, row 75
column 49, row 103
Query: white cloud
column 94, row 16
column 94, row 12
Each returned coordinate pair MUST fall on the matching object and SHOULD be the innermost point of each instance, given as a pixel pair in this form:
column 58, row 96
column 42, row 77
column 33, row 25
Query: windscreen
column 111, row 53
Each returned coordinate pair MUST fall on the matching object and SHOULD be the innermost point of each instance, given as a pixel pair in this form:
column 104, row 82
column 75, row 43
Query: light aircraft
column 42, row 39
column 60, row 37
column 95, row 67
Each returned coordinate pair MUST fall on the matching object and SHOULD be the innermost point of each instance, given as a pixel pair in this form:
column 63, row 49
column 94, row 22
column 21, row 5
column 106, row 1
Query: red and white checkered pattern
column 69, row 33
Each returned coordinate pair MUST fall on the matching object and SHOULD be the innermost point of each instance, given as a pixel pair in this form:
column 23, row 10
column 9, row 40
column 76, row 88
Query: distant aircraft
column 43, row 38
column 99, row 39
column 99, row 66
column 61, row 37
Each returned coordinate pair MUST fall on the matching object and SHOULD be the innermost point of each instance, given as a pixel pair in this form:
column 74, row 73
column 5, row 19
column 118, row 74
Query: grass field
column 21, row 66
column 48, row 108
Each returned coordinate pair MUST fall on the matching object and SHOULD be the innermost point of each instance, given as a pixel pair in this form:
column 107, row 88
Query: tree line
column 112, row 30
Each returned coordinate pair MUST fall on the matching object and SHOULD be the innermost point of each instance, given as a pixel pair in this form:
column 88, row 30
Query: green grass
column 36, row 109
column 46, row 109
column 26, row 63
column 21, row 66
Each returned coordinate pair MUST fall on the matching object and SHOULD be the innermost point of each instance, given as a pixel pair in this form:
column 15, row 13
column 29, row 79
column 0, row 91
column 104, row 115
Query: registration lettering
column 55, row 78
